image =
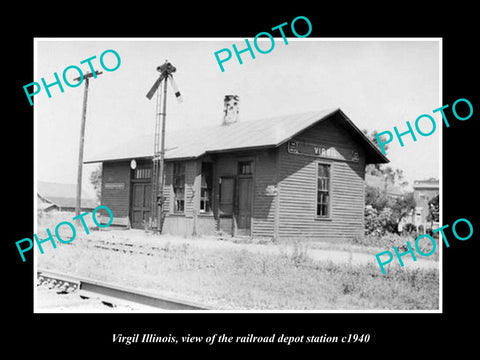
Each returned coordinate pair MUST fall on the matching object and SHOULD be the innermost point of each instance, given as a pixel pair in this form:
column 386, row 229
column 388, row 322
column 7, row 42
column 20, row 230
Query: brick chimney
column 231, row 109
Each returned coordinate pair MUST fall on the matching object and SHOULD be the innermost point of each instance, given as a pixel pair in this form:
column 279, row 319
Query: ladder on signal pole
column 158, row 174
column 156, row 166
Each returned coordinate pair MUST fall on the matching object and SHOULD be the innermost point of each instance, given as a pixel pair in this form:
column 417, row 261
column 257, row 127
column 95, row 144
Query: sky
column 378, row 84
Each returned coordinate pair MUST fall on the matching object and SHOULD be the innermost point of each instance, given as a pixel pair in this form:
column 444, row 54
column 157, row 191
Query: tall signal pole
column 166, row 70
column 162, row 159
column 78, row 200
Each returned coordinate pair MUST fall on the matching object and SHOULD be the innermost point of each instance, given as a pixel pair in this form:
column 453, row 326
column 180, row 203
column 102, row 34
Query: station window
column 143, row 173
column 323, row 190
column 244, row 168
column 179, row 187
column 206, row 188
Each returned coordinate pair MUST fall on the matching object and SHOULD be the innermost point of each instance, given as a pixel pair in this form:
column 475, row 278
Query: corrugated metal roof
column 194, row 142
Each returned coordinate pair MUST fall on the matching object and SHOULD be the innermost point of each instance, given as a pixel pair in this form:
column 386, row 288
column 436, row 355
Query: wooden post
column 78, row 199
column 80, row 150
column 234, row 225
column 195, row 224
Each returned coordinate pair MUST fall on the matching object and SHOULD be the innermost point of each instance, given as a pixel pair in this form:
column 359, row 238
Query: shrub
column 409, row 228
column 299, row 255
column 386, row 241
column 378, row 223
column 373, row 225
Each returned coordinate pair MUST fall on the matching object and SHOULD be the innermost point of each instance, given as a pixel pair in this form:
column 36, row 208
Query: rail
column 89, row 287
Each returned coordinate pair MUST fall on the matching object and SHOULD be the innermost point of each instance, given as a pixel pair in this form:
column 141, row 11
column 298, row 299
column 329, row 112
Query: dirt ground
column 316, row 251
column 243, row 273
column 335, row 252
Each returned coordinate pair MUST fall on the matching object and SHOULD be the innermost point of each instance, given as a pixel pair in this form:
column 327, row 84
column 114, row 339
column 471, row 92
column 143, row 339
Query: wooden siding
column 225, row 225
column 264, row 174
column 191, row 171
column 185, row 224
column 227, row 166
column 117, row 199
column 167, row 187
column 288, row 213
column 298, row 188
column 263, row 214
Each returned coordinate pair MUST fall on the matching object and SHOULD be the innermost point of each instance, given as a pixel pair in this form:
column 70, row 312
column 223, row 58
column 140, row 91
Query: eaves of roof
column 243, row 135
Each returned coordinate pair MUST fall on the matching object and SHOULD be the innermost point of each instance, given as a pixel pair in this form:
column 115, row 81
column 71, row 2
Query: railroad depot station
column 294, row 176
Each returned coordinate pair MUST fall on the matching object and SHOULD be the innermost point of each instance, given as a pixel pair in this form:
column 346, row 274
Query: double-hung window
column 323, row 190
column 206, row 188
column 179, row 187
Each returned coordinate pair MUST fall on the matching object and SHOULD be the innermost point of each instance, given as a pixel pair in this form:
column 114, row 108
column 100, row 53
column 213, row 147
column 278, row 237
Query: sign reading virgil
column 309, row 149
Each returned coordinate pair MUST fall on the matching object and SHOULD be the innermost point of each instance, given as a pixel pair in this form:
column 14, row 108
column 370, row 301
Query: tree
column 377, row 198
column 373, row 138
column 434, row 209
column 371, row 196
column 389, row 174
column 382, row 209
column 383, row 213
column 96, row 181
column 403, row 207
column 386, row 171
column 374, row 169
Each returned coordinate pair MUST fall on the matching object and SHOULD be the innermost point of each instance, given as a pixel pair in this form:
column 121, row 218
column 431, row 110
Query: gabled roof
column 242, row 135
column 44, row 204
column 63, row 195
column 431, row 183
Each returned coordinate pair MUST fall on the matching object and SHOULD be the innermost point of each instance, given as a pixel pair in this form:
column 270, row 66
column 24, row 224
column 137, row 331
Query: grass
column 232, row 277
column 388, row 241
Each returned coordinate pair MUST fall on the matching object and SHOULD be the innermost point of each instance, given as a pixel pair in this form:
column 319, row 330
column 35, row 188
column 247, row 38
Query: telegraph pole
column 87, row 76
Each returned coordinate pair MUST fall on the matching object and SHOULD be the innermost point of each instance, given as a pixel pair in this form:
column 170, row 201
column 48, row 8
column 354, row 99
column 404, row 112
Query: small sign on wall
column 115, row 186
column 271, row 190
column 317, row 150
column 355, row 156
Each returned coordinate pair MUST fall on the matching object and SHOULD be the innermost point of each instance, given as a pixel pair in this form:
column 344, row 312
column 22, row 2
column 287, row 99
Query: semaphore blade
column 175, row 89
column 155, row 87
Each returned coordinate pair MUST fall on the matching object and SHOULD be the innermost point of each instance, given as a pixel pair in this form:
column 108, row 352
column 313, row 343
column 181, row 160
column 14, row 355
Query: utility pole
column 87, row 76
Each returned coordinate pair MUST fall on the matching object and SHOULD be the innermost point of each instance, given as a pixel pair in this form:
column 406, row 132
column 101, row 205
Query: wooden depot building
column 293, row 176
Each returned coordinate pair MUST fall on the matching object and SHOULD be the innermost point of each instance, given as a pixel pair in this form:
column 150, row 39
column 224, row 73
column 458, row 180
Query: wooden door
column 244, row 205
column 141, row 204
column 227, row 195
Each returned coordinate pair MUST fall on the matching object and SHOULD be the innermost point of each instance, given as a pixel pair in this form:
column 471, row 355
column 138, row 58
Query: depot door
column 141, row 203
column 244, row 215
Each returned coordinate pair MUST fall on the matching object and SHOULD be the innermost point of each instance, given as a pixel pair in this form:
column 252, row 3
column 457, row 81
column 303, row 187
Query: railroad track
column 108, row 293
column 122, row 247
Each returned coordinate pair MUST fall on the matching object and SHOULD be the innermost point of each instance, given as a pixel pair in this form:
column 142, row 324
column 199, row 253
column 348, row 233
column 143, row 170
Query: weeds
column 299, row 255
column 227, row 277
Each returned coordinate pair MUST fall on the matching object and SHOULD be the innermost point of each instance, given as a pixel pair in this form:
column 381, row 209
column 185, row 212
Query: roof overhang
column 373, row 153
column 306, row 121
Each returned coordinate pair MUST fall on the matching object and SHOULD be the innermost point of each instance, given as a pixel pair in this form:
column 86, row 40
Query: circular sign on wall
column 133, row 164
